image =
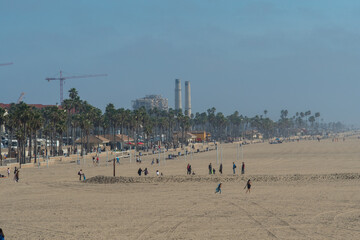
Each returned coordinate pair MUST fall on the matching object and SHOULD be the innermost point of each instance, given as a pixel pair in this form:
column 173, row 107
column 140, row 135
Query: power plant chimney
column 178, row 94
column 188, row 98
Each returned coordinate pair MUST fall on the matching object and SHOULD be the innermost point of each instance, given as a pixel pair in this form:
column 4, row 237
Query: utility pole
column 114, row 166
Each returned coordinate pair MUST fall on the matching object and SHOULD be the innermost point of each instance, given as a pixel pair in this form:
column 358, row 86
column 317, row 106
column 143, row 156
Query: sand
column 301, row 190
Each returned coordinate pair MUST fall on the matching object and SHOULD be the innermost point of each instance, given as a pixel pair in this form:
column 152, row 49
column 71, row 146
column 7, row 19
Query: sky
column 246, row 56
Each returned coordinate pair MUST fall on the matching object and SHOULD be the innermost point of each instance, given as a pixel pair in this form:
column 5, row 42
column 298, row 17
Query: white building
column 151, row 102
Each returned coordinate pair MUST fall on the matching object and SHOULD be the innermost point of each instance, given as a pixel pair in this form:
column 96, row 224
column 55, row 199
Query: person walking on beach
column 210, row 168
column 80, row 173
column 16, row 177
column 188, row 169
column 8, row 171
column 2, row 236
column 243, row 168
column 139, row 171
column 220, row 168
column 248, row 186
column 146, row 171
column 218, row 189
column 234, row 167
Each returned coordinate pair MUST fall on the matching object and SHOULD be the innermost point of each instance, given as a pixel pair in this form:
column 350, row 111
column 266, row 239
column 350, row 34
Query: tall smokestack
column 178, row 94
column 188, row 98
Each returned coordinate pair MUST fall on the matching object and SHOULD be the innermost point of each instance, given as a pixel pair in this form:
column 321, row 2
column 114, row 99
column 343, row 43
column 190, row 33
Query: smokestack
column 188, row 98
column 178, row 94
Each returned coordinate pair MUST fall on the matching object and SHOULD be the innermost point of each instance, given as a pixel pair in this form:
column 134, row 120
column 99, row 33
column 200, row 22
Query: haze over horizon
column 246, row 55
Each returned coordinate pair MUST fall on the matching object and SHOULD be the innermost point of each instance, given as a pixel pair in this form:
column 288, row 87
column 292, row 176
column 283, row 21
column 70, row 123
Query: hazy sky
column 238, row 55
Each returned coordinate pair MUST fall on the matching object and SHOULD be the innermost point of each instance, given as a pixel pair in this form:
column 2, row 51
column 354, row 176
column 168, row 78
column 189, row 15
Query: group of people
column 153, row 161
column 212, row 170
column 95, row 160
column 248, row 186
column 146, row 172
column 16, row 175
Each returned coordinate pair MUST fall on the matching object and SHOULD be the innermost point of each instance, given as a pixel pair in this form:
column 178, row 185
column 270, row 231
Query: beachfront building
column 202, row 136
column 151, row 102
column 94, row 141
column 189, row 137
column 120, row 140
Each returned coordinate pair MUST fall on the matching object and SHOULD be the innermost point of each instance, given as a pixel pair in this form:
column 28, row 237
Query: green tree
column 2, row 121
column 35, row 125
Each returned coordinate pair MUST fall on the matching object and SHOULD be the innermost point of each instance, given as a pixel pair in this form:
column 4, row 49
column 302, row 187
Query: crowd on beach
column 189, row 171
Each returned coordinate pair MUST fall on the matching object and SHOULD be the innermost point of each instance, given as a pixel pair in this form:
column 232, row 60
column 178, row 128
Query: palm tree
column 317, row 116
column 211, row 119
column 148, row 127
column 302, row 115
column 234, row 122
column 97, row 120
column 307, row 113
column 29, row 134
column 72, row 106
column 68, row 106
column 111, row 119
column 220, row 122
column 10, row 125
column 138, row 120
column 21, row 117
column 2, row 121
column 61, row 128
column 171, row 124
column 36, row 124
column 55, row 123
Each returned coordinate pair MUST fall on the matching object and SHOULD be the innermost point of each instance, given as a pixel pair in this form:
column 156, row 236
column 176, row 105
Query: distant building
column 151, row 102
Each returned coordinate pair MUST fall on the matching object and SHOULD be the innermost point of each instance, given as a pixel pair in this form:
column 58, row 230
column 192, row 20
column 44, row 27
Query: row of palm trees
column 77, row 119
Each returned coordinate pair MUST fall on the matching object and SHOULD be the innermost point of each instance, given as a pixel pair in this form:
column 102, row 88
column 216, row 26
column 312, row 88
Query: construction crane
column 5, row 64
column 62, row 79
column 21, row 97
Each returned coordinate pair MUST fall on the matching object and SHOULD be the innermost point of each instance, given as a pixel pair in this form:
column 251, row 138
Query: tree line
column 77, row 119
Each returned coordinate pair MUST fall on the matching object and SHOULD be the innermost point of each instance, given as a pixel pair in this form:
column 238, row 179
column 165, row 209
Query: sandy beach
column 301, row 190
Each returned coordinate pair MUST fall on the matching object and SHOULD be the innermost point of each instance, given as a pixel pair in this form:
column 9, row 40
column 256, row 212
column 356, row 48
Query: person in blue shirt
column 234, row 166
column 218, row 189
column 2, row 236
